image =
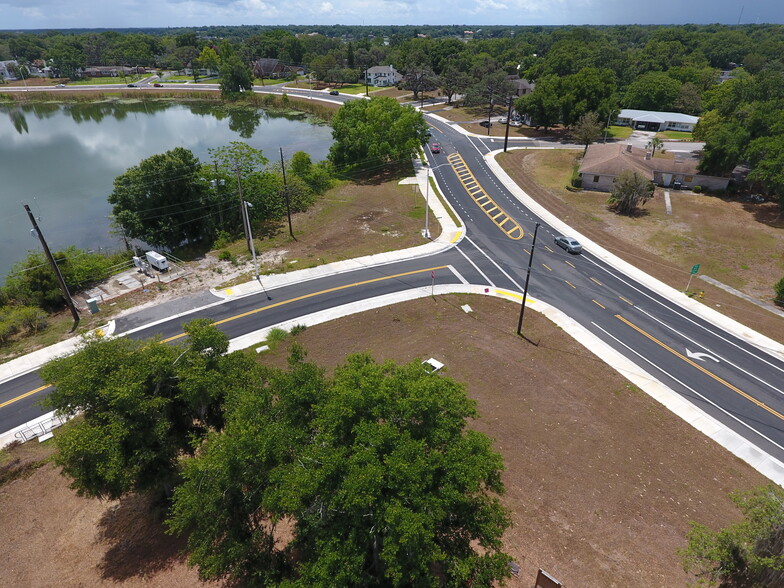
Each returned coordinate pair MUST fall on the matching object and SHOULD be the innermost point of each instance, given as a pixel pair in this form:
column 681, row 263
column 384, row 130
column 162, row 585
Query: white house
column 383, row 75
column 647, row 120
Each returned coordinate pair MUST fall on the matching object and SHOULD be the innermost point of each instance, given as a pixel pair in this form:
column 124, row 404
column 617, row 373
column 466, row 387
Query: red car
column 157, row 85
column 435, row 148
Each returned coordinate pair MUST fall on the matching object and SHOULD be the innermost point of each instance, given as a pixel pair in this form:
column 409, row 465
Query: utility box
column 157, row 261
column 92, row 305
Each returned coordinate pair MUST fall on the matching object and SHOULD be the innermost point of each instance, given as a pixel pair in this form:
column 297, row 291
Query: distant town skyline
column 55, row 14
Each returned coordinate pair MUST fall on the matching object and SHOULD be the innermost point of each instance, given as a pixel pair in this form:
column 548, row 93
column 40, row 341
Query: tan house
column 602, row 162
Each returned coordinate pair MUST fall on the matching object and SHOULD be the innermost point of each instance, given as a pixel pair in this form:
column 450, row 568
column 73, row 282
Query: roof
column 612, row 159
column 643, row 115
column 381, row 69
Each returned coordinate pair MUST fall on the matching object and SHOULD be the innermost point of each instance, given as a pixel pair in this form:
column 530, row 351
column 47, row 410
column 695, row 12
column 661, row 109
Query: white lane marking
column 457, row 274
column 683, row 316
column 699, row 355
column 511, row 279
column 705, row 398
column 718, row 356
column 475, row 267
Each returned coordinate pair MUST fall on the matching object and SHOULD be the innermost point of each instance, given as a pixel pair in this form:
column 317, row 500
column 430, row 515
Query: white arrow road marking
column 699, row 355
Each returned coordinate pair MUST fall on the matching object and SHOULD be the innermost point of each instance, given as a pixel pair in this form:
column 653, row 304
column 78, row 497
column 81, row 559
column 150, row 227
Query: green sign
column 695, row 269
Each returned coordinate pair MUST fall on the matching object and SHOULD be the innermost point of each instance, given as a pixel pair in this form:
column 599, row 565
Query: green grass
column 617, row 132
column 106, row 80
column 675, row 135
column 354, row 89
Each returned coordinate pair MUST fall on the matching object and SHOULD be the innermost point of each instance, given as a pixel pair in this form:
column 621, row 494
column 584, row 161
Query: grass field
column 675, row 135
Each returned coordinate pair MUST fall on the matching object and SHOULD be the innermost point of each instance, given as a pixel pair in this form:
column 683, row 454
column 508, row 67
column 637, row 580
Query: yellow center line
column 25, row 395
column 626, row 301
column 569, row 263
column 548, row 249
column 572, row 285
column 311, row 295
column 547, row 268
column 598, row 304
column 762, row 405
column 596, row 281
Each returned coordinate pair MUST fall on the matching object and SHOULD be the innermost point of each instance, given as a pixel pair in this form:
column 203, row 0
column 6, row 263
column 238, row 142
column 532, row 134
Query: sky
column 65, row 14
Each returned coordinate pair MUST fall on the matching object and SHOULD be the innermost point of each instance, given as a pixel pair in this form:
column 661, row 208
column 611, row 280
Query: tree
column 375, row 132
column 235, row 75
column 653, row 91
column 143, row 406
column 655, row 144
column 747, row 553
column 375, row 469
column 453, row 81
column 589, row 90
column 420, row 79
column 66, row 57
column 766, row 158
column 160, row 201
column 209, row 59
column 587, row 129
column 630, row 190
column 543, row 105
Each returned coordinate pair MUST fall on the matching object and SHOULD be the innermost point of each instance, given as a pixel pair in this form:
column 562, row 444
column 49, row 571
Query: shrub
column 696, row 189
column 779, row 288
column 225, row 256
column 297, row 329
column 222, row 240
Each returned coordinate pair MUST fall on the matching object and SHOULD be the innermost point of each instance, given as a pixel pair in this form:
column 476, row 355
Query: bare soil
column 601, row 480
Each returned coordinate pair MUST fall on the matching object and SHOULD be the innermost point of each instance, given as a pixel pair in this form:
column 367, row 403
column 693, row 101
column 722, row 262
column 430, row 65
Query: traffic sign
column 695, row 269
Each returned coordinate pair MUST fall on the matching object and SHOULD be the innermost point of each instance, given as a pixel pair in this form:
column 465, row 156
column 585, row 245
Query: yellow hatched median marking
column 501, row 219
column 705, row 371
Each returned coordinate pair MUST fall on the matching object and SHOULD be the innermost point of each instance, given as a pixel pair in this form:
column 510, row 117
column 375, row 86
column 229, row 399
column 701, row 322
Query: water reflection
column 62, row 159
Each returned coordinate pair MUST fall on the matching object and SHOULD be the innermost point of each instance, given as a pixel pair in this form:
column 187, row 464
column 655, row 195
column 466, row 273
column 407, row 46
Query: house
column 647, row 120
column 273, row 68
column 522, row 86
column 602, row 162
column 383, row 75
column 111, row 71
column 8, row 70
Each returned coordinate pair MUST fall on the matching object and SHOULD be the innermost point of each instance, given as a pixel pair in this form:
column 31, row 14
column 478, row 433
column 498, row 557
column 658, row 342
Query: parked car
column 568, row 244
column 503, row 120
column 132, row 86
column 485, row 124
column 515, row 123
column 60, row 86
column 157, row 85
column 435, row 148
column 333, row 92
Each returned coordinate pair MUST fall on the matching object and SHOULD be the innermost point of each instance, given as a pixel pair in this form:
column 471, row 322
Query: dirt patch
column 736, row 243
column 602, row 481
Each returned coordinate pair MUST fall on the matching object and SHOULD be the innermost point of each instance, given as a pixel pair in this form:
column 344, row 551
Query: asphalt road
column 738, row 384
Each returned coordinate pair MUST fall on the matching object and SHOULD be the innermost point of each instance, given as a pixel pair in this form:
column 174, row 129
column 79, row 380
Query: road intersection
column 725, row 380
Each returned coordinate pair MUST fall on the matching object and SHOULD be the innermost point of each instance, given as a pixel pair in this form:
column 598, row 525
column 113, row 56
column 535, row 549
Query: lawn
column 619, row 132
column 736, row 243
column 601, row 480
column 675, row 135
column 128, row 79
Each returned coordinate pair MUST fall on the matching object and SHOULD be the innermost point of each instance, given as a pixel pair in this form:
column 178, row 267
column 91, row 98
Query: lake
column 61, row 160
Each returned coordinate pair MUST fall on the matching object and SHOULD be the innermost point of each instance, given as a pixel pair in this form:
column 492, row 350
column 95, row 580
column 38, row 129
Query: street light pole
column 508, row 124
column 253, row 247
column 527, row 277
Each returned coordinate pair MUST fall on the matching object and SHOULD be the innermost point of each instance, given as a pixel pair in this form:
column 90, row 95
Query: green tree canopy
column 375, row 132
column 143, row 405
column 587, row 129
column 653, row 91
column 630, row 191
column 162, row 201
column 375, row 469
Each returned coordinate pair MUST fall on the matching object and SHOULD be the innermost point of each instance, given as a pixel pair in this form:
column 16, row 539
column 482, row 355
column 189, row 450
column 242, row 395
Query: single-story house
column 522, row 86
column 274, row 68
column 111, row 71
column 602, row 162
column 383, row 75
column 647, row 120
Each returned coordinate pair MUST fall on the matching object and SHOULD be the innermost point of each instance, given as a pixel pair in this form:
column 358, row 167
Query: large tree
column 370, row 133
column 235, row 75
column 374, row 468
column 143, row 406
column 630, row 191
column 587, row 129
column 162, row 201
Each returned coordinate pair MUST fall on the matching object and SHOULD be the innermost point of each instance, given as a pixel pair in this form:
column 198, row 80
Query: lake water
column 62, row 160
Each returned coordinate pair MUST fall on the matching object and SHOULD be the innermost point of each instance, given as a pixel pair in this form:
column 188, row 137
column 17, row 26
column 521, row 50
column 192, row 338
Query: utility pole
column 366, row 81
column 508, row 124
column 286, row 194
column 525, row 288
column 243, row 215
column 56, row 269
